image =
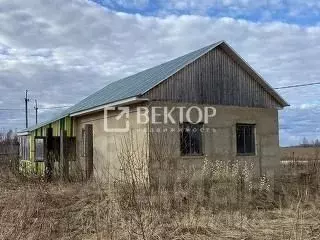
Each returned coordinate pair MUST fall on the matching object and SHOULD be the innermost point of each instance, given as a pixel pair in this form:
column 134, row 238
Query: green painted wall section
column 65, row 124
column 56, row 128
column 68, row 126
column 31, row 166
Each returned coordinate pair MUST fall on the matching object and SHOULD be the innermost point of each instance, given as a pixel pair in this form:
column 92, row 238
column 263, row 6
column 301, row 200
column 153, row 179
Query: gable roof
column 140, row 83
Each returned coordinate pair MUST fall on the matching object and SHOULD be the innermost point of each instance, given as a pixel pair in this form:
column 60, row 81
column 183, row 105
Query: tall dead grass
column 226, row 201
column 92, row 211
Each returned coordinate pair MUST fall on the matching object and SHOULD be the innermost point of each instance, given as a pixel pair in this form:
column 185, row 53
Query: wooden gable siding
column 214, row 78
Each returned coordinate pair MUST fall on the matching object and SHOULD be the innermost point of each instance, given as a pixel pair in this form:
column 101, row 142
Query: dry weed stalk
column 220, row 200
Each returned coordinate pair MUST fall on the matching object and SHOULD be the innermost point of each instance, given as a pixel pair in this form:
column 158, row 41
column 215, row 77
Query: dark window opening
column 246, row 139
column 39, row 149
column 190, row 139
column 55, row 151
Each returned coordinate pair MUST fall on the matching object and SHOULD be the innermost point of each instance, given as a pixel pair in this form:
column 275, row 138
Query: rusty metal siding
column 214, row 78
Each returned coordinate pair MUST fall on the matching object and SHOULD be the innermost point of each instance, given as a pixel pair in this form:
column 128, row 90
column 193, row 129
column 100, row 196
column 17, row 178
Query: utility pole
column 26, row 99
column 36, row 108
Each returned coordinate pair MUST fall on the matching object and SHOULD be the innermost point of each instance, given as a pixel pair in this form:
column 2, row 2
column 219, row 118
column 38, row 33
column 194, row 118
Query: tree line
column 308, row 143
column 9, row 137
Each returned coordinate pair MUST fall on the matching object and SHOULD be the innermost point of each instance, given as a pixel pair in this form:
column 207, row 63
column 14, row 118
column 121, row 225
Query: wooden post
column 48, row 157
column 89, row 150
column 63, row 155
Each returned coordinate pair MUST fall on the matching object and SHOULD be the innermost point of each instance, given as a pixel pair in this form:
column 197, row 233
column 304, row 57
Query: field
column 300, row 153
column 232, row 208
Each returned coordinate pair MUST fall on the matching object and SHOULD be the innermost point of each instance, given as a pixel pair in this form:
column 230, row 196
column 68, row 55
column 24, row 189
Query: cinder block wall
column 221, row 144
column 151, row 146
column 110, row 149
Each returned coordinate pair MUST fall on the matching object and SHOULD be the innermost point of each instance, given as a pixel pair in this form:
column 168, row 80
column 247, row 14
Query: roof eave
column 123, row 102
column 23, row 133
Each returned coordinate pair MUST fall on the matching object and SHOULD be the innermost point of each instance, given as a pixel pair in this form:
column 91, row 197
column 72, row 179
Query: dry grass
column 37, row 210
column 226, row 202
column 300, row 153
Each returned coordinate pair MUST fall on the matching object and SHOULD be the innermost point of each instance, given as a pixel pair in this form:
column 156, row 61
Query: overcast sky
column 62, row 51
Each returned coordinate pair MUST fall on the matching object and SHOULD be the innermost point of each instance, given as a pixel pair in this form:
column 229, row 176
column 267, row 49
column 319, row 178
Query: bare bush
column 130, row 211
column 219, row 200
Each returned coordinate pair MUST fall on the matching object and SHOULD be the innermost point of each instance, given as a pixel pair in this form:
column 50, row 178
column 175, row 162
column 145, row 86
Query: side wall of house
column 111, row 150
column 218, row 139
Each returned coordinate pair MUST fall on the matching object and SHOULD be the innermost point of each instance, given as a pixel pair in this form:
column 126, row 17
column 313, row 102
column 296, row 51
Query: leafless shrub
column 300, row 181
column 219, row 200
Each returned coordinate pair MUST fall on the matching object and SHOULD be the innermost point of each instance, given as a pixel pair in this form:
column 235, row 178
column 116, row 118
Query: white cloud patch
column 304, row 106
column 62, row 54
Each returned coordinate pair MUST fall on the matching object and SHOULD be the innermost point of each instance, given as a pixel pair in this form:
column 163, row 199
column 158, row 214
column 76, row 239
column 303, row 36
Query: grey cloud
column 68, row 50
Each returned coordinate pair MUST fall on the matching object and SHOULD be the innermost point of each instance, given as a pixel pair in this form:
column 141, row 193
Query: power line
column 13, row 109
column 59, row 107
column 19, row 109
column 298, row 85
column 54, row 107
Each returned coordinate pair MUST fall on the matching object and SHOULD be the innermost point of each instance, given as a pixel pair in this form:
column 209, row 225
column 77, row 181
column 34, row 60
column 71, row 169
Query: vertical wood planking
column 214, row 78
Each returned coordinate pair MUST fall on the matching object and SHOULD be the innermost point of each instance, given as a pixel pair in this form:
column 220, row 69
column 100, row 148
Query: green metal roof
column 131, row 86
column 138, row 83
column 142, row 82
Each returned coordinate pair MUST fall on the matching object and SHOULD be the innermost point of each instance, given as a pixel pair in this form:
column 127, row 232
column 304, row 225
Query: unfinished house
column 244, row 128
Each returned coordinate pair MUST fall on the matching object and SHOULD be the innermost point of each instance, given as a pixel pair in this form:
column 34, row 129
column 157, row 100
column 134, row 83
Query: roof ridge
column 148, row 69
column 144, row 80
column 209, row 47
column 141, row 82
